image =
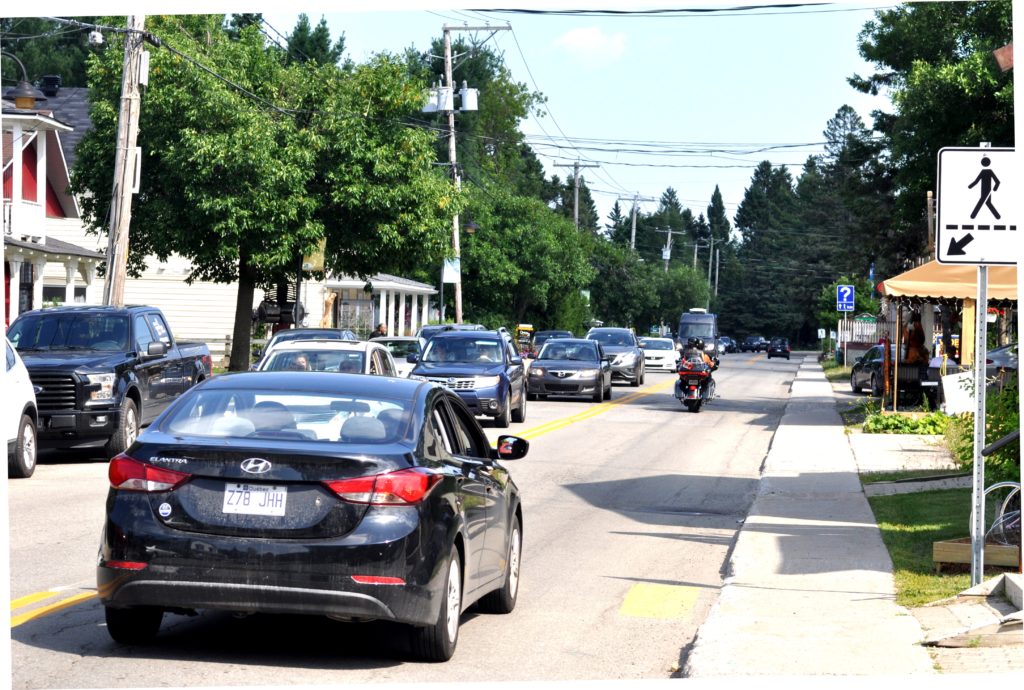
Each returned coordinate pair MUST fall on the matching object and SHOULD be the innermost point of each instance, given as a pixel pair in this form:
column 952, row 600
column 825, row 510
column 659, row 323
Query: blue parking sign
column 844, row 298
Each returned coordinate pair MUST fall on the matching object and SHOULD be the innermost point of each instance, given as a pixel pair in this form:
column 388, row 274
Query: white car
column 660, row 353
column 19, row 417
column 401, row 347
column 341, row 356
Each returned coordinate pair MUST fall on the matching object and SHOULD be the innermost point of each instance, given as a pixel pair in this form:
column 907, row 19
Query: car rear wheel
column 876, row 389
column 137, row 625
column 853, row 383
column 504, row 600
column 22, row 464
column 437, row 642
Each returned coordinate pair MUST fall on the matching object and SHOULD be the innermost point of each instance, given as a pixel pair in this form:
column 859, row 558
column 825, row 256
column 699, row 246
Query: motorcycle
column 695, row 386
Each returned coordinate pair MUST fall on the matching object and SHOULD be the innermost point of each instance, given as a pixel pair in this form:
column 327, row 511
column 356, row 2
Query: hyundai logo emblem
column 256, row 465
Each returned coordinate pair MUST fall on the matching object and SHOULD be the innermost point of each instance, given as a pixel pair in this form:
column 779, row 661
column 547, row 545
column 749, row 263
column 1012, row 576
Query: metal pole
column 632, row 233
column 718, row 261
column 978, row 490
column 124, row 165
column 846, row 340
column 711, row 252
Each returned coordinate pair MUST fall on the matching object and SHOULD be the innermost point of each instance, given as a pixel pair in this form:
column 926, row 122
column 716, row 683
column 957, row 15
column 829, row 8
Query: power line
column 689, row 12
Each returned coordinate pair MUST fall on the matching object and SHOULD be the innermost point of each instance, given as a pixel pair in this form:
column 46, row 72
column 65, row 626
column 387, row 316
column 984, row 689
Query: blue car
column 484, row 368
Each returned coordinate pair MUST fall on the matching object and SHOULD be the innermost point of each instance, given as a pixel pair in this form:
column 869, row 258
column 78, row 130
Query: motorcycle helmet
column 696, row 343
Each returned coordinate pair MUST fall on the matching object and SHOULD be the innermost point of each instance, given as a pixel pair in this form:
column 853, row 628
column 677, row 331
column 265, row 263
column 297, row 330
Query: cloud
column 591, row 47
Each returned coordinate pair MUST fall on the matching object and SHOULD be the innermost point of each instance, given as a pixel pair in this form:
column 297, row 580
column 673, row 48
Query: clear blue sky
column 766, row 77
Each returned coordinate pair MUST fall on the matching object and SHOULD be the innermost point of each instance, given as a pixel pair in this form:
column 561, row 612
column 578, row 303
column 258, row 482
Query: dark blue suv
column 483, row 367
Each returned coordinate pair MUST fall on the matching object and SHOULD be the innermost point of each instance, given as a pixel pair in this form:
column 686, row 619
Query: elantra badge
column 256, row 465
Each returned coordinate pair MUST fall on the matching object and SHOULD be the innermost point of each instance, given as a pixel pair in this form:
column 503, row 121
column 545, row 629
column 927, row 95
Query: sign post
column 977, row 214
column 844, row 303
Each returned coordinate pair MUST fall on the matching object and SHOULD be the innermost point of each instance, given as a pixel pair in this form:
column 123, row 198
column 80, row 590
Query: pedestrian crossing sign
column 978, row 209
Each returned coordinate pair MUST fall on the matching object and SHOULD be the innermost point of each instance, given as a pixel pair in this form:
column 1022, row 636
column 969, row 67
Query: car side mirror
column 511, row 447
column 517, row 361
column 157, row 348
column 412, row 358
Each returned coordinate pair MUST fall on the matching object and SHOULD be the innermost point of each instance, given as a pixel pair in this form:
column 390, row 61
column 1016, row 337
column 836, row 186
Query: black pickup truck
column 104, row 372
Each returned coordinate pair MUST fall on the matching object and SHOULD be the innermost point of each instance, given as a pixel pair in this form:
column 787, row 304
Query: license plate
column 694, row 382
column 254, row 499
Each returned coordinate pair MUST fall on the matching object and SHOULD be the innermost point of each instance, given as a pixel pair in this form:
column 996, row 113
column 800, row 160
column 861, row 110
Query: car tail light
column 403, row 487
column 126, row 565
column 128, row 474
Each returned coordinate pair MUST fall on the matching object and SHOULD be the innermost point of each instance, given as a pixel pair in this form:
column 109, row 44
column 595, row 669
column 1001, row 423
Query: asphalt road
column 630, row 509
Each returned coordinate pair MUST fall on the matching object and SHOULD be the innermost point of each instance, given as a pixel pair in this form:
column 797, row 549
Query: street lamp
column 24, row 94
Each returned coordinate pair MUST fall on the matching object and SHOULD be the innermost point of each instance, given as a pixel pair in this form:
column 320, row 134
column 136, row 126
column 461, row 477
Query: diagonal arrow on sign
column 957, row 248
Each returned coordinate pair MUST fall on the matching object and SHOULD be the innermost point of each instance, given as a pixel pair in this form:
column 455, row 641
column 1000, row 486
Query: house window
column 54, row 295
column 25, row 288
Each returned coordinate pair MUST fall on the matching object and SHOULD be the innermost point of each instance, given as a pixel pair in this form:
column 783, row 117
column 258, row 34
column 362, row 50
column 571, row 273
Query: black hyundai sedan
column 355, row 497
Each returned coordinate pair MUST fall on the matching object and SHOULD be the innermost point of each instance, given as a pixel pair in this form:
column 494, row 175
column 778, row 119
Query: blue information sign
column 844, row 298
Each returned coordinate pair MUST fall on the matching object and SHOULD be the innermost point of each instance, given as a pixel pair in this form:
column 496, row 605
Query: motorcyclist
column 694, row 354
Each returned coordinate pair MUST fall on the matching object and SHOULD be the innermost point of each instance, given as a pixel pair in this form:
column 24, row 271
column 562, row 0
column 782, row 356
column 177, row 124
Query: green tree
column 242, row 187
column 307, row 44
column 935, row 61
column 45, row 47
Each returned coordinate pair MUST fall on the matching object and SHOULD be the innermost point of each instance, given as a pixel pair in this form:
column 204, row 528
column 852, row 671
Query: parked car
column 339, row 356
column 482, row 367
column 754, row 343
column 19, row 416
column 354, row 497
column 660, row 353
column 400, row 348
column 628, row 364
column 540, row 337
column 998, row 358
column 778, row 347
column 289, row 334
column 103, row 372
column 730, row 344
column 571, row 366
column 867, row 370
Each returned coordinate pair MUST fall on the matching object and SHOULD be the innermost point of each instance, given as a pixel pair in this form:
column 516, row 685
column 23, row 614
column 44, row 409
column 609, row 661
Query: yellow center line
column 30, row 599
column 593, row 411
column 49, row 608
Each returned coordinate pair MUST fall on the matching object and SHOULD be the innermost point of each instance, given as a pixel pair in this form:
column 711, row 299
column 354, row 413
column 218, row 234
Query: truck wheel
column 127, row 429
column 22, row 464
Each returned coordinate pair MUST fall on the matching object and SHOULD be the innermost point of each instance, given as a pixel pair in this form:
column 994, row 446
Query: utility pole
column 636, row 198
column 718, row 262
column 125, row 165
column 576, row 177
column 711, row 256
column 666, row 253
column 452, row 155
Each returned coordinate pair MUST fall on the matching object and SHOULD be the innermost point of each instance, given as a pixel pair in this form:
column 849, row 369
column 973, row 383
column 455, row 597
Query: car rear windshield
column 342, row 361
column 401, row 348
column 611, row 337
column 289, row 415
column 658, row 344
column 462, row 350
column 103, row 332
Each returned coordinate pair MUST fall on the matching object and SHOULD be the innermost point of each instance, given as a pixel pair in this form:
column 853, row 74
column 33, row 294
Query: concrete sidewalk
column 810, row 590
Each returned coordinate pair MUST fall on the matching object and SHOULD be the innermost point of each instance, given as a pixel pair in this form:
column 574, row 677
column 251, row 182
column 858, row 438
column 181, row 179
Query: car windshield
column 73, row 331
column 611, row 338
column 462, row 350
column 289, row 415
column 342, row 361
column 576, row 352
column 658, row 345
column 691, row 329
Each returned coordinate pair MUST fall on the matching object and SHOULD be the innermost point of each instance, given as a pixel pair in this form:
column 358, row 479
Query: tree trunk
column 241, row 340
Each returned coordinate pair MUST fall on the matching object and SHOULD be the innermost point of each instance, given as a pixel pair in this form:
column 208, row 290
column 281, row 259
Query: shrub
column 1002, row 415
column 932, row 423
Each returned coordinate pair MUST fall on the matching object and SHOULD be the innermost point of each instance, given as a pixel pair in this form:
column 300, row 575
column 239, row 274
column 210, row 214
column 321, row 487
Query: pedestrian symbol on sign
column 986, row 177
